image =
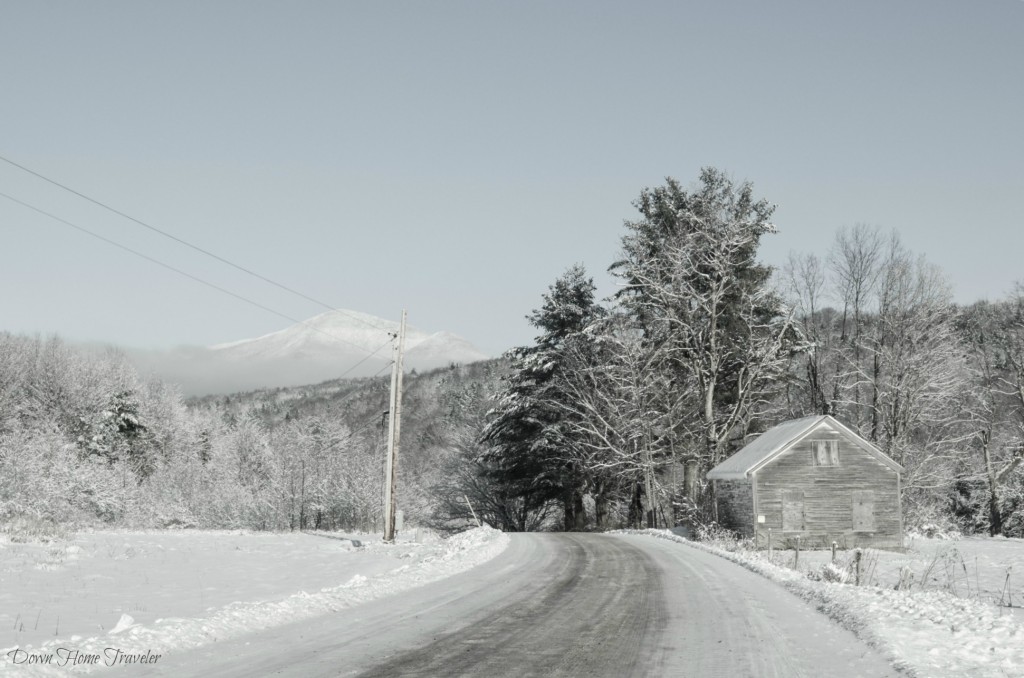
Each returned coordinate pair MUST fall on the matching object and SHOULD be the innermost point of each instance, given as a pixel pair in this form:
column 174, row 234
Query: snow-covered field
column 166, row 591
column 943, row 621
column 985, row 569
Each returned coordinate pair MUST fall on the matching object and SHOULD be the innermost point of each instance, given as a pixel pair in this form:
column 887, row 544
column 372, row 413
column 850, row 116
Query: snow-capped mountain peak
column 339, row 338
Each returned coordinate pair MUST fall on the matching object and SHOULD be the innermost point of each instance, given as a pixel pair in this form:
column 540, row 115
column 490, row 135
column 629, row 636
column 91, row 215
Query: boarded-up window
column 793, row 510
column 825, row 452
column 863, row 511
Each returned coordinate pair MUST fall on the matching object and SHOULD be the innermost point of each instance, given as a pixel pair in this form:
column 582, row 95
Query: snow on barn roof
column 778, row 439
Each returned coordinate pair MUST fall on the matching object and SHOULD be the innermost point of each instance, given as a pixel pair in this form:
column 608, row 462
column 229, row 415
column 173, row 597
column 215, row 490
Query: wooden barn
column 815, row 478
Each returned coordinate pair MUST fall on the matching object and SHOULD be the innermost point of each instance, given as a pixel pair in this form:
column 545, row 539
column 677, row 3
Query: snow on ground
column 163, row 591
column 926, row 630
column 987, row 569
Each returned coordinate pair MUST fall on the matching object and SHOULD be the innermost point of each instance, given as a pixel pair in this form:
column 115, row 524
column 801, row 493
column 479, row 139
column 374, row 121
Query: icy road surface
column 559, row 605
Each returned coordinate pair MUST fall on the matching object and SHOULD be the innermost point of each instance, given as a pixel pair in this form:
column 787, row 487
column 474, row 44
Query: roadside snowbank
column 425, row 563
column 924, row 633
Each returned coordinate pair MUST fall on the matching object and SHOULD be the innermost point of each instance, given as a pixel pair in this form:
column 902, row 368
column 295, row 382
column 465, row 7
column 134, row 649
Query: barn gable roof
column 777, row 440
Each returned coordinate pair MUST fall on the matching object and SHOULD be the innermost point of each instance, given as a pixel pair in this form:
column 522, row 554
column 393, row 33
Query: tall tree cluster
column 621, row 406
column 927, row 381
column 633, row 402
column 712, row 323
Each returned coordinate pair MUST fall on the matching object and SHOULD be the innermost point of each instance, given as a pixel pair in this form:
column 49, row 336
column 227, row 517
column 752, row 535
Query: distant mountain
column 324, row 347
column 335, row 333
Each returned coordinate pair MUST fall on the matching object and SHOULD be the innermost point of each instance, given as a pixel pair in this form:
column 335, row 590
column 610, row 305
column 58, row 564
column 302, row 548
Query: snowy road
column 560, row 605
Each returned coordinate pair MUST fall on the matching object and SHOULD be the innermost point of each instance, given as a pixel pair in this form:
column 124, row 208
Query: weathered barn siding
column 855, row 503
column 736, row 506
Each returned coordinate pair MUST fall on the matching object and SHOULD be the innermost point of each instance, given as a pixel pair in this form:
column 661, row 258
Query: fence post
column 769, row 544
column 834, row 545
column 796, row 565
column 856, row 566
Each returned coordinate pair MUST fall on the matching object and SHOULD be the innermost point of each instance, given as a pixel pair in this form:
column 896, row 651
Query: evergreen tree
column 530, row 448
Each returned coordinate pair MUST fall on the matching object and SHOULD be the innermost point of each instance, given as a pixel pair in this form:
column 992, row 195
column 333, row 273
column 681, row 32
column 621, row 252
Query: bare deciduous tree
column 855, row 262
column 694, row 287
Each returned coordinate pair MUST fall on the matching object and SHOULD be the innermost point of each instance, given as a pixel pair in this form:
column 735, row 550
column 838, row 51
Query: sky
column 454, row 158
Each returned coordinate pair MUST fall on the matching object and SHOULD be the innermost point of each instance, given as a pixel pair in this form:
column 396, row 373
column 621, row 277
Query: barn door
column 863, row 511
column 793, row 511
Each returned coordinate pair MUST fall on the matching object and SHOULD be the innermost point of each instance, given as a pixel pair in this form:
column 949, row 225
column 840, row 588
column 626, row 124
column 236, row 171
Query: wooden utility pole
column 394, row 423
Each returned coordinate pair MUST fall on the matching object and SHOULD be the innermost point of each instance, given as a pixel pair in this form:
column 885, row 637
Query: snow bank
column 923, row 633
column 426, row 563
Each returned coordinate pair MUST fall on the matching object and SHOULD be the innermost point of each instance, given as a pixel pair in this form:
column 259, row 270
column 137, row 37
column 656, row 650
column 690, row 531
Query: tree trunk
column 636, row 507
column 579, row 512
column 575, row 519
column 995, row 516
column 601, row 505
column 302, row 498
column 690, row 470
column 649, row 505
column 574, row 514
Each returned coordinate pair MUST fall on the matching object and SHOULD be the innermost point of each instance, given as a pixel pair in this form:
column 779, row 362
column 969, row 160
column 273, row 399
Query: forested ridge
column 611, row 417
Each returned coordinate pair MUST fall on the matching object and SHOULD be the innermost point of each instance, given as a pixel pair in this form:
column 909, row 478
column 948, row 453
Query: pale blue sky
column 455, row 158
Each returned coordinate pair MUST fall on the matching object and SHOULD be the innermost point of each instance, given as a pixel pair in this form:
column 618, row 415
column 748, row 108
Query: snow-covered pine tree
column 530, row 448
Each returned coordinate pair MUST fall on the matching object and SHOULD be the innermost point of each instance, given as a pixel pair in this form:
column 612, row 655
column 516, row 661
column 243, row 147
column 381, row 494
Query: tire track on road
column 592, row 616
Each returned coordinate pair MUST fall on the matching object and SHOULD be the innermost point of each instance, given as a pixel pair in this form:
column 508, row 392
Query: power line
column 195, row 278
column 190, row 245
column 376, row 417
column 375, row 352
column 368, row 424
column 383, row 368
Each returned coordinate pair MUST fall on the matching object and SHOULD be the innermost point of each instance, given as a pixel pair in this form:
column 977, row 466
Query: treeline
column 86, row 442
column 939, row 387
column 618, row 410
column 442, row 415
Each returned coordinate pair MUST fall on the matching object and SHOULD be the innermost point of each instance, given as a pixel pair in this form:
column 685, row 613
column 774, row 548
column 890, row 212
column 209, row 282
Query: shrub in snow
column 1013, row 526
column 906, row 579
column 928, row 520
column 32, row 529
column 723, row 538
column 935, row 531
column 830, row 572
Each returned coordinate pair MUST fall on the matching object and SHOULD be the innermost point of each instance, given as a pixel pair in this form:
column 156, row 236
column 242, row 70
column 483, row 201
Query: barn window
column 825, row 452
